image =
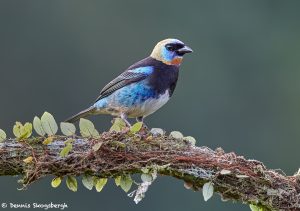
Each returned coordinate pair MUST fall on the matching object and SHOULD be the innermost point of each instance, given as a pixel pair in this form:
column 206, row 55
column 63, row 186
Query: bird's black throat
column 163, row 78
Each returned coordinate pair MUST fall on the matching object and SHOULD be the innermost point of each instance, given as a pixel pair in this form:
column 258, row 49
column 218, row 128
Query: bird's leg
column 141, row 119
column 124, row 118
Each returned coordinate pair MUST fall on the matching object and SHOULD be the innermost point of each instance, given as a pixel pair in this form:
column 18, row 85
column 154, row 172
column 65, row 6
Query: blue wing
column 128, row 77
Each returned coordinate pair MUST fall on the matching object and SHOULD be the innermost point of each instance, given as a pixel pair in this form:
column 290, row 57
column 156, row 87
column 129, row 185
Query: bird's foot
column 141, row 119
column 145, row 127
column 125, row 130
column 124, row 118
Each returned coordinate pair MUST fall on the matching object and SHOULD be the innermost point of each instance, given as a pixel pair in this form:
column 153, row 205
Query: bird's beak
column 184, row 50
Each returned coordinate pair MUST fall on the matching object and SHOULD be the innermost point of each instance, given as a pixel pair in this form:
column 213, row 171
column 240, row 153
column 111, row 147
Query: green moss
column 118, row 144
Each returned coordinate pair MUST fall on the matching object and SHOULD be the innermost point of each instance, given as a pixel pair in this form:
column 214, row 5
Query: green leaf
column 145, row 170
column 17, row 129
column 48, row 140
column 88, row 181
column 208, row 190
column 72, row 183
column 101, row 182
column 97, row 146
column 136, row 127
column 37, row 125
column 190, row 140
column 27, row 130
column 69, row 141
column 56, row 182
column 65, row 151
column 146, row 177
column 126, row 183
column 225, row 172
column 118, row 180
column 28, row 159
column 118, row 125
column 2, row 135
column 49, row 124
column 67, row 128
column 22, row 131
column 256, row 208
column 176, row 135
column 157, row 132
column 87, row 128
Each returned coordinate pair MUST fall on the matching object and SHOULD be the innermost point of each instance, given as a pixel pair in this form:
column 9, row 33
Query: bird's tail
column 81, row 114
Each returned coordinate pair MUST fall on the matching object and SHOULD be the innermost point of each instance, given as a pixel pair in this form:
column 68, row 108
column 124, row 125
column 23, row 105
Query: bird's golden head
column 170, row 51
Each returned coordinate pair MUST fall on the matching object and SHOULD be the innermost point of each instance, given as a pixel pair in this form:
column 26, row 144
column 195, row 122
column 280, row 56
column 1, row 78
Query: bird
column 142, row 88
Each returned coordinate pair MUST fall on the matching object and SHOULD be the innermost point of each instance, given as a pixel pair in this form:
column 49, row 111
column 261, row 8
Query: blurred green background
column 239, row 89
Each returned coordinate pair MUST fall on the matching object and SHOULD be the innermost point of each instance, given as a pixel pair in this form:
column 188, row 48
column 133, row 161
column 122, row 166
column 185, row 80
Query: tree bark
column 233, row 177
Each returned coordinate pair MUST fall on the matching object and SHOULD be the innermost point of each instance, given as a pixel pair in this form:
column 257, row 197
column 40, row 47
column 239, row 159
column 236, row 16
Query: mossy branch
column 233, row 177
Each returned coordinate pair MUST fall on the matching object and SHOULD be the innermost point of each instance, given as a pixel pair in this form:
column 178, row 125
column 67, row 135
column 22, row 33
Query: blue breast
column 128, row 96
column 133, row 94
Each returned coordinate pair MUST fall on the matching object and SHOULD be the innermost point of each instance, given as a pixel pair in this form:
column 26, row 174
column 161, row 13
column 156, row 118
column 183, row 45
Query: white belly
column 149, row 106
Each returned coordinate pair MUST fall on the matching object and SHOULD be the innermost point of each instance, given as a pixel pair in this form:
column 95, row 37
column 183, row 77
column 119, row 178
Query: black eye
column 170, row 47
column 174, row 46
